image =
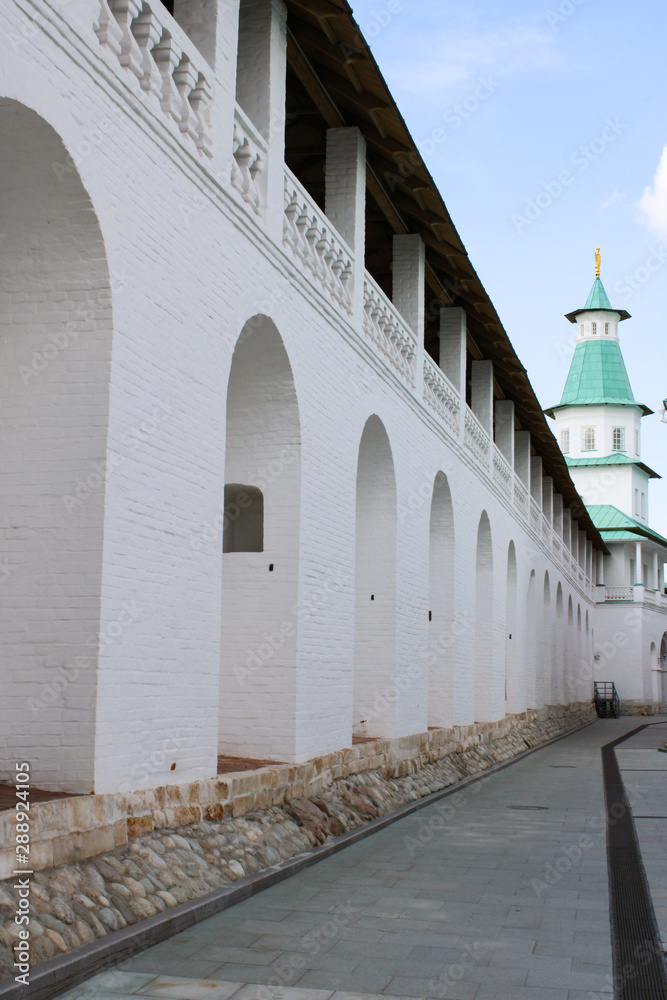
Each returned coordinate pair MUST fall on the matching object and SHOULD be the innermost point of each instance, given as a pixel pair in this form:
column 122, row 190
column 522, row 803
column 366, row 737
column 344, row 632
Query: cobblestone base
column 76, row 903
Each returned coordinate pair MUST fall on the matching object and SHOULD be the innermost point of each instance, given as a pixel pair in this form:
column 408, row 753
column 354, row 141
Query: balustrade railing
column 150, row 45
column 520, row 497
column 440, row 395
column 316, row 244
column 502, row 472
column 248, row 163
column 476, row 439
column 384, row 325
column 535, row 516
column 619, row 593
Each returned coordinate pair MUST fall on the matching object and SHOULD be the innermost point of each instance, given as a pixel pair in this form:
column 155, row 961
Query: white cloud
column 613, row 198
column 653, row 203
column 454, row 60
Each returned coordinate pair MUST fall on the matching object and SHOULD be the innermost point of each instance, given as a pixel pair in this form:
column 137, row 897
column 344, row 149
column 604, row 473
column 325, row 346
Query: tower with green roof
column 598, row 426
column 598, row 419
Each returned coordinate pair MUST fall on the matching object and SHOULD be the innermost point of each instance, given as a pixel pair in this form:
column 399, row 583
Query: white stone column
column 574, row 535
column 522, row 457
column 481, row 393
column 212, row 25
column 345, row 201
column 260, row 91
column 567, row 529
column 656, row 579
column 453, row 353
column 548, row 498
column 481, row 399
column 639, row 568
column 504, row 423
column 536, row 479
column 582, row 549
column 600, row 588
column 557, row 523
column 408, row 292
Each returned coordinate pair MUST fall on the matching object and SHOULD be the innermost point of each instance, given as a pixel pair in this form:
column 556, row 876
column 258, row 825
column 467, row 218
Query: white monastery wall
column 195, row 276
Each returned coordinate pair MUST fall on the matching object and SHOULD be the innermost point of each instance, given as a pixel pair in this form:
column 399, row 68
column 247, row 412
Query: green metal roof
column 597, row 376
column 618, row 458
column 612, row 524
column 597, row 300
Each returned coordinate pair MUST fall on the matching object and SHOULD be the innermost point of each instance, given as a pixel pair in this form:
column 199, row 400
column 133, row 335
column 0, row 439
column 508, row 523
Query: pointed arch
column 488, row 695
column 374, row 711
column 55, row 365
column 260, row 557
column 441, row 604
column 515, row 685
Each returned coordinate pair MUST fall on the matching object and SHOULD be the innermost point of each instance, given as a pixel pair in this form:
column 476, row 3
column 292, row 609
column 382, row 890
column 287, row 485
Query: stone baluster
column 108, row 30
column 167, row 57
column 185, row 78
column 130, row 54
column 148, row 31
column 201, row 99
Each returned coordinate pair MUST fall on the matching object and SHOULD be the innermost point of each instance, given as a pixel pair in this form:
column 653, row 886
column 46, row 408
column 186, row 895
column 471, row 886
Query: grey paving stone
column 352, row 982
column 115, row 981
column 500, row 992
column 280, row 993
column 571, row 980
column 80, row 993
column 468, row 885
column 260, row 974
column 179, row 988
column 402, row 987
column 146, row 962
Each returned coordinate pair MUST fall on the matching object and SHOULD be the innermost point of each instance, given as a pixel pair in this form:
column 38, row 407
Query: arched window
column 243, row 528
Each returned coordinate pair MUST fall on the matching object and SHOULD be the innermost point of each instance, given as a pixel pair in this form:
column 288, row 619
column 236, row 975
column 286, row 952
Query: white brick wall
column 140, row 562
column 55, row 348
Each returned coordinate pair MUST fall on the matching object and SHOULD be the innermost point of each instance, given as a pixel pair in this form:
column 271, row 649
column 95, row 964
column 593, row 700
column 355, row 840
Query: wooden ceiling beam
column 307, row 76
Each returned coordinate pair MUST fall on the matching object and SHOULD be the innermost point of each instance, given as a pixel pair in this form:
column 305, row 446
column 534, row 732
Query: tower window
column 618, row 439
column 636, row 442
column 565, row 441
column 581, row 329
column 643, row 506
column 606, row 328
column 588, row 439
column 243, row 527
column 594, row 328
column 636, row 503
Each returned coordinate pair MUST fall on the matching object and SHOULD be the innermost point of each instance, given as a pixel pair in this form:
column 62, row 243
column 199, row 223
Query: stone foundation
column 171, row 847
column 642, row 708
column 79, row 827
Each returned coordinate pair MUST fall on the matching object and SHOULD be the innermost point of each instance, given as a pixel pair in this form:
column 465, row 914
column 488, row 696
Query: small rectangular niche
column 243, row 528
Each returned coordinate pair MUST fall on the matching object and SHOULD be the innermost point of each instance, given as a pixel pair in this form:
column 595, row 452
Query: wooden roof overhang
column 333, row 64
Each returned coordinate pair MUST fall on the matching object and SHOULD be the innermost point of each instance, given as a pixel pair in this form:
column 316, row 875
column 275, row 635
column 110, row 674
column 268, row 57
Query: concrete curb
column 56, row 975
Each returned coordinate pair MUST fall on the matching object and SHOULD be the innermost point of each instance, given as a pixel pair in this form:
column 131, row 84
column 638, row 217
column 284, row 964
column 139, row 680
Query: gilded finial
column 597, row 262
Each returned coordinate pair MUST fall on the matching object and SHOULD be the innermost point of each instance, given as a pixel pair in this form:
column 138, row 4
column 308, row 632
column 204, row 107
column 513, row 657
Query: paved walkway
column 499, row 892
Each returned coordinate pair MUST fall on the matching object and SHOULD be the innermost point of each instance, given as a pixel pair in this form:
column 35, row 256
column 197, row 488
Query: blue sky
column 544, row 124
